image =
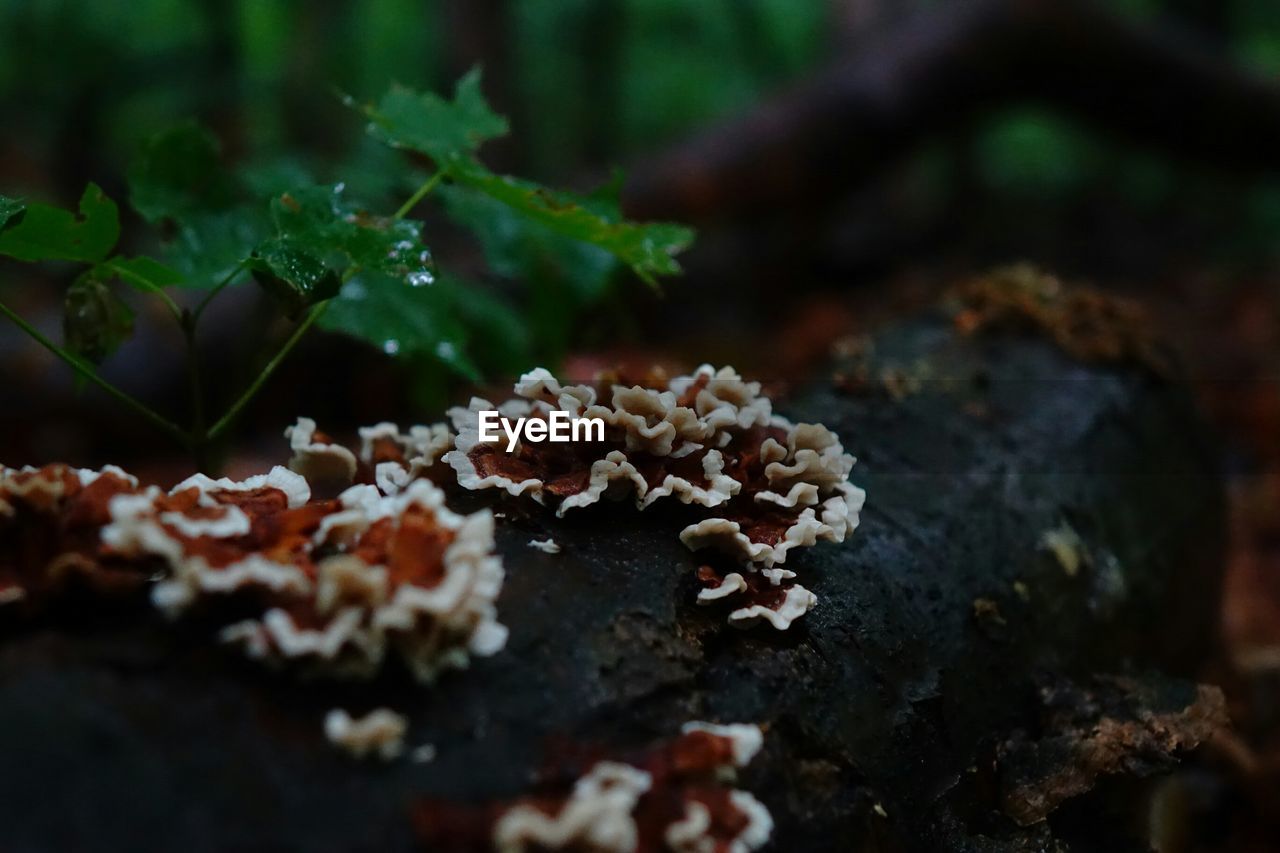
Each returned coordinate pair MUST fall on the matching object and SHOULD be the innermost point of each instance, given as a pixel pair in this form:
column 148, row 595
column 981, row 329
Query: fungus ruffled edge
column 316, row 457
column 337, row 585
column 387, row 457
column 675, row 795
column 709, row 440
column 770, row 595
column 357, row 611
column 378, row 733
column 546, row 546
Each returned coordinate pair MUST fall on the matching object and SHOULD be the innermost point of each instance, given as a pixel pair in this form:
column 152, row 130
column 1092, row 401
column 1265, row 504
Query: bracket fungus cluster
column 675, row 796
column 332, row 586
column 761, row 484
column 386, row 569
column 758, row 485
column 50, row 520
column 387, row 457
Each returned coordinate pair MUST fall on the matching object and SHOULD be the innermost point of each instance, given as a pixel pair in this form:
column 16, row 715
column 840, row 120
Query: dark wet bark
column 937, row 625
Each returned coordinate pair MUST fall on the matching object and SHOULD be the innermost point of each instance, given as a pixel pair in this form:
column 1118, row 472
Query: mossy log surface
column 883, row 705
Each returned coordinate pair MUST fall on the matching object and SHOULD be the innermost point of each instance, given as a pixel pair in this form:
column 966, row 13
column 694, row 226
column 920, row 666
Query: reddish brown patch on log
column 1113, row 726
column 1086, row 323
column 687, row 769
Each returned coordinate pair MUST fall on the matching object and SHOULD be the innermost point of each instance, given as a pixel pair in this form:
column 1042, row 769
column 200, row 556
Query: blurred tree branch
column 940, row 71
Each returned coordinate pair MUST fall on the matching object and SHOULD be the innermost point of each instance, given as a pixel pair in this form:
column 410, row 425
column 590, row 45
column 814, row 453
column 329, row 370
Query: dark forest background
column 966, row 154
column 844, row 162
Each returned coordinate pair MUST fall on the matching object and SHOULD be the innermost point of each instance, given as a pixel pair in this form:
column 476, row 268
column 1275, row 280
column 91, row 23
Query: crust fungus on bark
column 877, row 705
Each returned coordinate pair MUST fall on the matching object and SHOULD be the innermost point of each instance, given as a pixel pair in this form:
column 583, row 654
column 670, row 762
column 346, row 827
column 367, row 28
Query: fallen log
column 1040, row 533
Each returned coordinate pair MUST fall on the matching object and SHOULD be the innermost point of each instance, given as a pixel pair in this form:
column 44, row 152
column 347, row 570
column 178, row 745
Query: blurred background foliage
column 584, row 81
column 84, row 83
column 586, row 84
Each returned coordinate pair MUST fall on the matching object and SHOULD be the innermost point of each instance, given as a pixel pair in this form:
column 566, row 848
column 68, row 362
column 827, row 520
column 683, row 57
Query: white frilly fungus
column 802, row 481
column 546, row 546
column 602, row 811
column 354, row 613
column 378, row 733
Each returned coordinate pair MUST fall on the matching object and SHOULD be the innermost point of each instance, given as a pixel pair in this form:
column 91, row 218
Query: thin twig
column 199, row 438
column 90, row 374
column 218, row 288
column 147, row 285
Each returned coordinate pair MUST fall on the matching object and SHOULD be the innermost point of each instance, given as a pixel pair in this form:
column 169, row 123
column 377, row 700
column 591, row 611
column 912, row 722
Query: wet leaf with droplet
column 11, row 212
column 320, row 219
column 401, row 320
column 442, row 129
column 450, row 133
column 293, row 276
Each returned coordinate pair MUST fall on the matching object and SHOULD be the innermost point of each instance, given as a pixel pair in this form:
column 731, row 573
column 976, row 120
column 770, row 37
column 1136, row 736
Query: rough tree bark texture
column 919, row 706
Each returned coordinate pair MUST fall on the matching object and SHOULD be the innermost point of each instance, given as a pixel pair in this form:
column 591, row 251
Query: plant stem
column 243, row 400
column 199, row 439
column 218, row 288
column 149, row 286
column 418, row 196
column 90, row 374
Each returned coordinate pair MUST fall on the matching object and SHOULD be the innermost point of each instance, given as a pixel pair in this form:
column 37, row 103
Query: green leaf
column 450, row 132
column 178, row 178
column 443, row 130
column 211, row 245
column 268, row 178
column 292, row 275
column 649, row 249
column 319, row 234
column 11, row 212
column 95, row 322
column 177, row 174
column 141, row 273
column 521, row 249
column 319, row 219
column 48, row 233
column 400, row 320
